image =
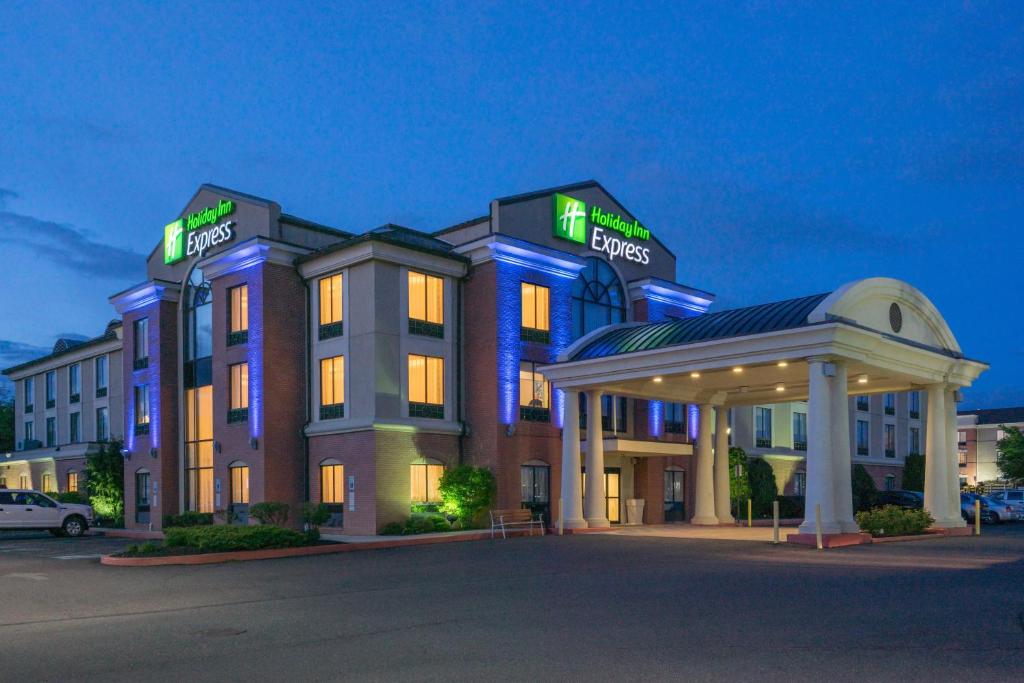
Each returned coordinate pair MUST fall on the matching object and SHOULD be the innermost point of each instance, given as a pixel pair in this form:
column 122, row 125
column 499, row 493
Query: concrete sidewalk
column 707, row 533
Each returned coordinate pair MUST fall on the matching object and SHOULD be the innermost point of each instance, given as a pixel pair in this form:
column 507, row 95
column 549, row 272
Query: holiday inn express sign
column 194, row 234
column 570, row 223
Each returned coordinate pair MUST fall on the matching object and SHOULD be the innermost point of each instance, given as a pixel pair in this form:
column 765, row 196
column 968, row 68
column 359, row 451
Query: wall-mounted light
column 694, row 375
column 153, row 452
column 217, row 446
column 862, row 379
column 126, row 454
column 254, row 443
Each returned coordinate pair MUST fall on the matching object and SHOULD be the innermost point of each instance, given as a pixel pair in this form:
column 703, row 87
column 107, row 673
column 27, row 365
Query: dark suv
column 908, row 500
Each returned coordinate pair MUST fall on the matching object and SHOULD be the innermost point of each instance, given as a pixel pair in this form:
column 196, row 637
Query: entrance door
column 536, row 489
column 612, row 493
column 142, row 497
column 675, row 485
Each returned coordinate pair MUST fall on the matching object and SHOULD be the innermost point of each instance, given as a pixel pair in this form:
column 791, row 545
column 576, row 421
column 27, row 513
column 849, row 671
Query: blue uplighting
column 254, row 354
column 655, row 415
column 692, row 418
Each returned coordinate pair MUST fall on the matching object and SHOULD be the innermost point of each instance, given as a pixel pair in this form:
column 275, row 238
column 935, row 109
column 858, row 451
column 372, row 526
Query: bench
column 511, row 519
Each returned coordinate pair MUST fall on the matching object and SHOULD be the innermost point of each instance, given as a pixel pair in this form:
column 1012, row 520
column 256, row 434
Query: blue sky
column 779, row 149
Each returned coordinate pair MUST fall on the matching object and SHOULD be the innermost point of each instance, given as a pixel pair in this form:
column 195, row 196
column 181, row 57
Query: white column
column 839, row 400
column 595, row 502
column 704, row 508
column 820, row 478
column 953, row 462
column 572, row 492
column 936, row 462
column 722, row 501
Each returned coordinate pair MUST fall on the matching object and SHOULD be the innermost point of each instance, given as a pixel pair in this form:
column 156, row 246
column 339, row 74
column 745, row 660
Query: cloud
column 66, row 245
column 15, row 353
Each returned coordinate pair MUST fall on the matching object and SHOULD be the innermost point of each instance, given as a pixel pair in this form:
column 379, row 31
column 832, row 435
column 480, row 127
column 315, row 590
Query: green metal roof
column 738, row 322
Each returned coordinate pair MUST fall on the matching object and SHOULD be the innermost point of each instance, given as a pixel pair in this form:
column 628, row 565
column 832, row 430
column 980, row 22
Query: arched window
column 198, row 380
column 597, row 298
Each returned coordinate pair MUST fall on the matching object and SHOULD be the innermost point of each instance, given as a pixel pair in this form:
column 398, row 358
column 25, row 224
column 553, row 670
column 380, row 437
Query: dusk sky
column 777, row 149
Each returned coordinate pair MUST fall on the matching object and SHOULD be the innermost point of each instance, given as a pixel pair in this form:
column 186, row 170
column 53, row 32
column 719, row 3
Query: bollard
column 817, row 525
column 775, row 522
column 750, row 512
column 977, row 517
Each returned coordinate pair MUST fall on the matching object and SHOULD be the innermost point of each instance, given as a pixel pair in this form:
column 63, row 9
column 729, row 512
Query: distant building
column 977, row 434
column 66, row 405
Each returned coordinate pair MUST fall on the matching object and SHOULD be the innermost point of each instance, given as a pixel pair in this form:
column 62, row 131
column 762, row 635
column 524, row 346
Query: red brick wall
column 479, row 359
column 879, row 472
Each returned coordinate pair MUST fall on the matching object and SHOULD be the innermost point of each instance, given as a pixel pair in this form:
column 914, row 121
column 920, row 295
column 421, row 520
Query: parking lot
column 589, row 607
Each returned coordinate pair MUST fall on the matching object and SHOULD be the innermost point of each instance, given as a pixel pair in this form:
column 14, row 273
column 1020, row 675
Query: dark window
column 140, row 336
column 597, row 298
column 800, row 431
column 675, row 418
column 763, row 420
column 890, row 404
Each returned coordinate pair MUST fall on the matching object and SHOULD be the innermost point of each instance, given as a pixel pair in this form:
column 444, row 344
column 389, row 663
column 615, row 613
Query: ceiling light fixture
column 737, row 369
column 657, row 380
column 695, row 375
column 862, row 379
column 780, row 387
column 783, row 364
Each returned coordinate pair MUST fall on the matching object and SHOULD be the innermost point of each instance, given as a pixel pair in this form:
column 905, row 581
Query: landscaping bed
column 196, row 540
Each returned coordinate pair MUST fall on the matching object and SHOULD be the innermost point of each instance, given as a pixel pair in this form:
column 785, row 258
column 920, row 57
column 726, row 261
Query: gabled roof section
column 995, row 416
column 738, row 322
column 561, row 188
column 397, row 235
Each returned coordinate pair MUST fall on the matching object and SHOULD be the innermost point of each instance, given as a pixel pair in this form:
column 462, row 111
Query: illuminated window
column 74, row 383
column 332, row 484
column 425, row 478
column 426, row 305
column 331, row 314
column 239, row 484
column 534, row 394
column 142, row 409
column 332, row 388
column 140, row 340
column 763, row 421
column 102, row 424
column 23, row 482
column 238, row 315
column 426, row 386
column 74, row 427
column 536, row 313
column 890, row 441
column 72, row 480
column 47, row 483
column 238, row 392
column 199, row 448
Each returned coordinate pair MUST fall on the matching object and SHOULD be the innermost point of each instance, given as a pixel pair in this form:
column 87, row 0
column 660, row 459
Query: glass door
column 612, row 493
column 675, row 486
column 142, row 497
column 536, row 489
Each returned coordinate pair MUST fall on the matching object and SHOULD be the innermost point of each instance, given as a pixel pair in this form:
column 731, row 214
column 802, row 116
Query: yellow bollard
column 977, row 517
column 750, row 512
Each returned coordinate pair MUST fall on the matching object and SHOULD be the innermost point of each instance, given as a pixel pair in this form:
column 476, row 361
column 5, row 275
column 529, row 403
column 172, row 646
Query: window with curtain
column 426, row 386
column 425, row 479
column 332, row 484
column 140, row 341
column 142, row 409
column 102, row 368
column 332, row 387
column 890, row 441
column 75, row 427
column 534, row 394
column 72, row 480
column 238, row 381
column 239, row 484
column 48, row 483
column 915, row 441
column 331, row 313
column 238, row 315
column 426, row 304
column 102, row 424
column 51, row 432
column 536, row 313
column 29, row 393
column 74, row 383
column 51, row 389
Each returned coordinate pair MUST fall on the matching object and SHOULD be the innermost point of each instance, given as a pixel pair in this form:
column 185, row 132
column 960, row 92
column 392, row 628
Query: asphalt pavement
column 590, row 607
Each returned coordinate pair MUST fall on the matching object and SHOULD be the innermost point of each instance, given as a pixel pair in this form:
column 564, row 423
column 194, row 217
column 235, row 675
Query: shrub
column 224, row 538
column 270, row 513
column 417, row 524
column 891, row 520
column 392, row 529
column 188, row 518
column 864, row 490
column 791, row 507
column 104, row 479
column 313, row 515
column 762, row 487
column 466, row 491
column 72, row 497
column 913, row 472
column 739, row 486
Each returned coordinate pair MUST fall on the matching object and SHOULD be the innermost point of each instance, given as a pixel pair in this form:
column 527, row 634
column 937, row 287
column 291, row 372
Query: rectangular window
column 536, row 316
column 962, row 457
column 863, row 437
column 75, row 427
column 238, row 389
column 426, row 386
column 862, row 403
column 426, row 305
column 914, row 404
column 51, row 432
column 102, row 424
column 48, row 483
column 763, row 421
column 24, row 482
column 675, row 418
column 613, row 412
column 240, row 485
column 102, row 375
column 74, row 383
column 30, row 433
column 534, row 394
column 142, row 409
column 331, row 314
column 72, row 484
column 800, row 484
column 914, row 447
column 238, row 315
column 799, row 431
column 29, row 394
column 51, row 388
column 890, row 404
column 332, row 484
column 890, row 440
column 425, row 478
column 140, row 335
column 332, row 388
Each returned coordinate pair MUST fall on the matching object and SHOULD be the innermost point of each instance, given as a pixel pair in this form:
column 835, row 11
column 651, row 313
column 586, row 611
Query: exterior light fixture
column 694, row 375
column 657, row 380
column 153, row 452
column 780, row 387
column 862, row 379
column 783, row 364
column 737, row 369
column 254, row 443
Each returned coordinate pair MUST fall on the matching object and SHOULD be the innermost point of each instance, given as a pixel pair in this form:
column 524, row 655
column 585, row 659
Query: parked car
column 1014, row 497
column 992, row 511
column 24, row 509
column 908, row 500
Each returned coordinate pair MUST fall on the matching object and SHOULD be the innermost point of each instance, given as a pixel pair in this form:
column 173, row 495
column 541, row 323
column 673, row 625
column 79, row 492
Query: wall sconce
column 510, row 430
column 126, row 454
column 153, row 452
column 254, row 443
column 216, row 446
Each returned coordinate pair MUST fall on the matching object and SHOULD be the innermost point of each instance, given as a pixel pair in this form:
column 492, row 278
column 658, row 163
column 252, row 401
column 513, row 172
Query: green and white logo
column 570, row 219
column 174, row 241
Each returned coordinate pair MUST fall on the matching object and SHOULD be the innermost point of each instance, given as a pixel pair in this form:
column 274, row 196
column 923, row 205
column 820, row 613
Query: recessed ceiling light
column 695, row 375
column 780, row 387
column 783, row 364
column 737, row 369
column 862, row 379
column 657, row 379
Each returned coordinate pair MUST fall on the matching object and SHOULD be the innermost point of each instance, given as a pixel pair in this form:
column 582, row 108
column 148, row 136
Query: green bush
column 225, row 538
column 466, row 492
column 147, row 548
column 104, row 479
column 313, row 515
column 913, row 472
column 763, row 490
column 188, row 518
column 864, row 490
column 417, row 524
column 891, row 520
column 72, row 497
column 392, row 529
column 739, row 486
column 270, row 513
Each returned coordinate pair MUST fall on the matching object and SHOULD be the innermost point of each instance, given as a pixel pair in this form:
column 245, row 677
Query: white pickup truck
column 24, row 509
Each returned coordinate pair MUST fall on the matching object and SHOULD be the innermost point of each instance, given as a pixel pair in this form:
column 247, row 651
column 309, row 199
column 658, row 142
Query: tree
column 864, row 489
column 1010, row 453
column 763, row 489
column 913, row 472
column 466, row 491
column 6, row 423
column 739, row 485
column 104, row 471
